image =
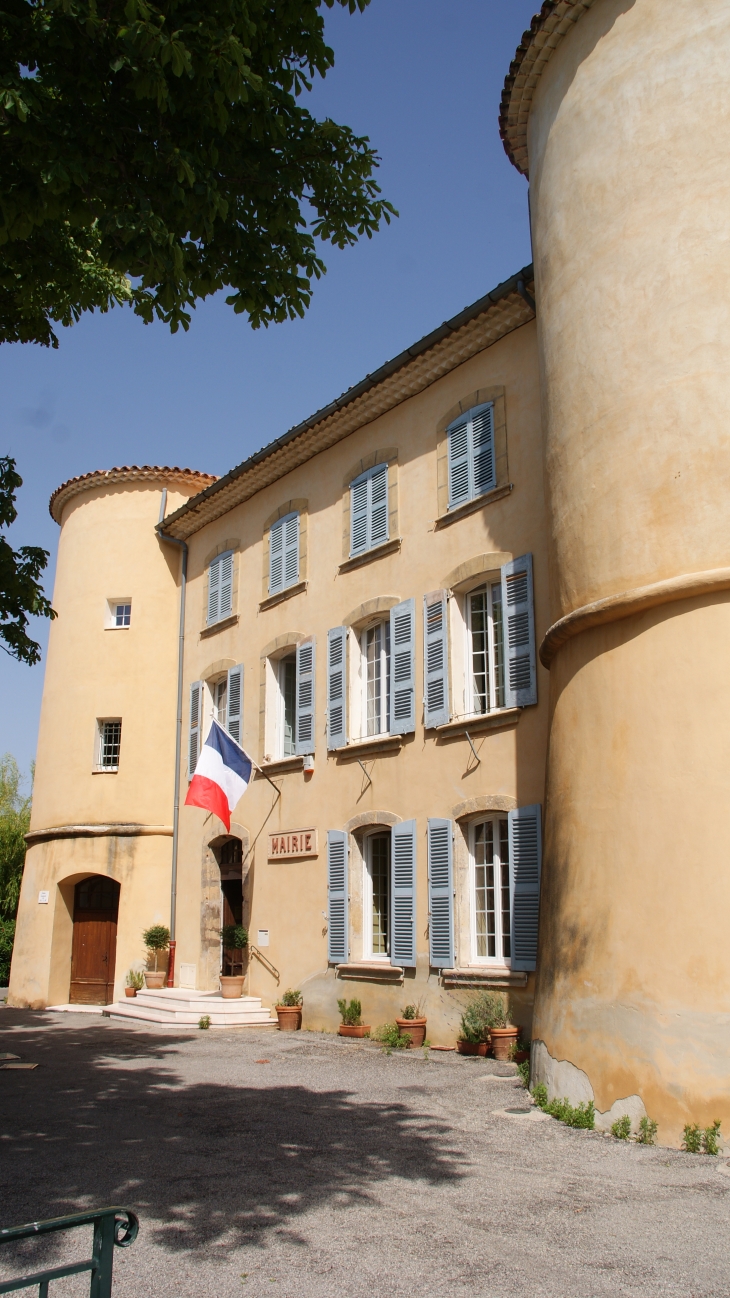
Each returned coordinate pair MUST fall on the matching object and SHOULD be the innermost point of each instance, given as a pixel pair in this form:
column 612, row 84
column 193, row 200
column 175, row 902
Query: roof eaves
column 370, row 381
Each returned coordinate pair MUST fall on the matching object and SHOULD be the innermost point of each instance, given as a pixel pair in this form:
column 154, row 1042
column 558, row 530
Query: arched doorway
column 230, row 860
column 94, row 946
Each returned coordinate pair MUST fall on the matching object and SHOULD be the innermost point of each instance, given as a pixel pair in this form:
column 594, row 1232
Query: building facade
column 478, row 595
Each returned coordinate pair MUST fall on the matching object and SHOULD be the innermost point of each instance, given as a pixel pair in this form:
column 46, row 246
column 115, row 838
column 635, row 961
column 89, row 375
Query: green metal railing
column 112, row 1226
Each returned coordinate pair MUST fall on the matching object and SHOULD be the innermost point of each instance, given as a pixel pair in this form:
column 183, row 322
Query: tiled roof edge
column 123, row 473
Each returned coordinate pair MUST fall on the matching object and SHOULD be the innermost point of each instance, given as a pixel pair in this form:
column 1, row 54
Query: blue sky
column 423, row 79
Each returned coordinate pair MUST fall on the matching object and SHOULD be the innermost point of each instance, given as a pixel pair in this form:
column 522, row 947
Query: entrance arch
column 230, row 861
column 94, row 944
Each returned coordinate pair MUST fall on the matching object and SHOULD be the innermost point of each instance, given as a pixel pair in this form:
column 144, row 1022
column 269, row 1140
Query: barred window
column 110, row 738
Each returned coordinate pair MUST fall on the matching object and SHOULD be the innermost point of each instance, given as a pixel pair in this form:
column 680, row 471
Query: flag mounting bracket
column 477, row 758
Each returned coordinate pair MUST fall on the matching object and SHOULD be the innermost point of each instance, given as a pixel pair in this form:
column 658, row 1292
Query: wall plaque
column 294, row 843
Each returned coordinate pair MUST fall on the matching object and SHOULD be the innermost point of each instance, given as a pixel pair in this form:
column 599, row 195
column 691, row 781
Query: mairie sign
column 294, row 843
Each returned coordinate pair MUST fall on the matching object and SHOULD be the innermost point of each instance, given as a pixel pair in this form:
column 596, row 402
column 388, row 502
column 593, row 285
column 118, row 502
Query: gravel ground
column 264, row 1163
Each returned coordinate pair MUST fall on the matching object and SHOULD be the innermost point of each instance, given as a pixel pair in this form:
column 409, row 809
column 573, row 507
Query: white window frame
column 99, row 744
column 378, row 957
column 110, row 621
column 498, row 960
column 222, row 613
column 490, row 583
column 365, row 480
column 274, row 720
column 385, row 678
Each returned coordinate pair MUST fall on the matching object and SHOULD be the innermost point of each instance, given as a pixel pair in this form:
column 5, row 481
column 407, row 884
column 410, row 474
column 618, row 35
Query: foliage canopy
column 154, row 153
column 14, row 822
column 20, row 591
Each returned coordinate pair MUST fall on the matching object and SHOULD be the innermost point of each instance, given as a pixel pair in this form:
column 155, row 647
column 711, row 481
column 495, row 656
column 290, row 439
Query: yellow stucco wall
column 629, row 200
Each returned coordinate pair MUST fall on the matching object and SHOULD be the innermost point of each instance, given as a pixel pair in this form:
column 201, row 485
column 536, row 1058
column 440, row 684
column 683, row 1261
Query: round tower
column 608, row 106
column 99, row 848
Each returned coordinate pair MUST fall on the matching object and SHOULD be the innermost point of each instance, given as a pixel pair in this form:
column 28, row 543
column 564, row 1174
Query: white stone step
column 177, row 1005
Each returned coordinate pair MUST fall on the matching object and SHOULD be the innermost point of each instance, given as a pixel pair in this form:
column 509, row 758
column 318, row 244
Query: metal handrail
column 112, row 1226
column 265, row 961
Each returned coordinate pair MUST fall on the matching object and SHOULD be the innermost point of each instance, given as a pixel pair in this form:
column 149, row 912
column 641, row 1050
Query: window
column 375, row 649
column 287, row 680
column 109, row 740
column 492, row 902
column 377, row 895
column 118, row 613
column 369, row 510
column 471, row 455
column 485, row 649
column 122, row 614
column 217, row 699
column 220, row 588
column 284, row 553
column 219, row 692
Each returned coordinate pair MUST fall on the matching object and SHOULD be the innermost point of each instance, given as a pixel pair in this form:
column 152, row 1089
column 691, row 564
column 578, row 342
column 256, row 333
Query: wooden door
column 94, row 948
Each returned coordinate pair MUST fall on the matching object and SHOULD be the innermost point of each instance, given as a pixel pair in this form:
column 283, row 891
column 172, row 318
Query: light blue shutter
column 276, row 557
column 403, row 894
column 440, row 894
column 436, row 658
column 337, row 908
column 214, row 577
column 458, row 444
column 336, row 687
column 378, row 485
column 305, row 698
column 226, row 585
column 234, row 718
column 291, row 550
column 196, row 690
column 482, row 439
column 518, row 613
column 403, row 668
column 359, row 516
column 525, row 863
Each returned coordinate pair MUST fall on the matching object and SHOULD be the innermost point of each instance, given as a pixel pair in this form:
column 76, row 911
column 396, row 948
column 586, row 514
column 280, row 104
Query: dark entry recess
column 94, row 947
column 230, row 859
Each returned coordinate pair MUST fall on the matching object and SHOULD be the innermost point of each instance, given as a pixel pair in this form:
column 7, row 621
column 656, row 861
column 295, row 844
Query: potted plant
column 492, row 1008
column 135, row 982
column 156, row 939
column 289, row 1011
column 352, row 1024
column 413, row 1024
column 520, row 1052
column 474, row 1034
column 234, row 937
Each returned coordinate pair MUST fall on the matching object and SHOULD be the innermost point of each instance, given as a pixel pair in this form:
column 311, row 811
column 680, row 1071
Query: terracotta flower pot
column 472, row 1047
column 521, row 1057
column 155, row 980
column 502, row 1041
column 413, row 1028
column 290, row 1017
column 231, row 987
column 350, row 1030
column 130, row 991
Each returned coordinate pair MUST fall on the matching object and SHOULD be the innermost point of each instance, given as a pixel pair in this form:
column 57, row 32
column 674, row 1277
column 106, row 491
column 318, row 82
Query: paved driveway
column 283, row 1165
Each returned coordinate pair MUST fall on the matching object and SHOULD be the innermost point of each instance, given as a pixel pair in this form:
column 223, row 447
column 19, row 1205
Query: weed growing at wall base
column 647, row 1131
column 581, row 1115
column 697, row 1141
column 621, row 1128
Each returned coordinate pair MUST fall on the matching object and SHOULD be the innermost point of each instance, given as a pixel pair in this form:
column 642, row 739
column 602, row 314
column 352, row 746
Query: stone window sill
column 476, row 725
column 483, row 976
column 281, row 595
column 283, row 765
column 370, row 970
column 219, row 626
column 378, row 552
column 369, row 747
column 105, row 770
column 471, row 506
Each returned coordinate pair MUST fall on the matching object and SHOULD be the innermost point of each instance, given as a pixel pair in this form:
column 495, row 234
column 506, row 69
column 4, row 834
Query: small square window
column 118, row 615
column 122, row 614
column 110, row 739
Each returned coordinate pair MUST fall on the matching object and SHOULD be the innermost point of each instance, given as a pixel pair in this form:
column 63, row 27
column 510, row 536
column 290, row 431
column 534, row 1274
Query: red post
column 171, row 964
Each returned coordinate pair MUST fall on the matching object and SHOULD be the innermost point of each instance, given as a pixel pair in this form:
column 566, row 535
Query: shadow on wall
column 212, row 1163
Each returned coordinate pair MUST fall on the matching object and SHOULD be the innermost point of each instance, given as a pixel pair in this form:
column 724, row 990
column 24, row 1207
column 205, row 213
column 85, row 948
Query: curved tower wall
column 85, row 821
column 629, row 196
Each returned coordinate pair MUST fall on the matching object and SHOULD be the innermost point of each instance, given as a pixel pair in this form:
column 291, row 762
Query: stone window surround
column 358, row 828
column 274, row 650
column 234, row 545
column 389, row 456
column 299, row 505
column 210, row 909
column 495, row 394
column 465, row 814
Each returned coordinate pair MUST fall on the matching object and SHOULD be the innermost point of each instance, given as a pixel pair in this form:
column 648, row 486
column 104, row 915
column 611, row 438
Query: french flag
column 221, row 776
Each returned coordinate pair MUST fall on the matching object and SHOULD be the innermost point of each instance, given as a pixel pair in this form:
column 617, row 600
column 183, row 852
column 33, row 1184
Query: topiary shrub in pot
column 413, row 1024
column 156, row 939
column 289, row 1011
column 352, row 1024
column 234, row 937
